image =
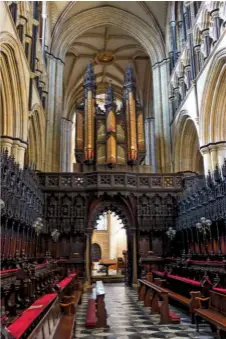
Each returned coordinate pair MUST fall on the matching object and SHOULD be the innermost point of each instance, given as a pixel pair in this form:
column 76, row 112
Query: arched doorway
column 96, row 252
column 118, row 207
column 110, row 235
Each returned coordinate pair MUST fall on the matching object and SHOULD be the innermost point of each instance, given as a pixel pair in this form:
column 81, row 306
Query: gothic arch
column 213, row 103
column 36, row 138
column 14, row 113
column 147, row 36
column 123, row 210
column 187, row 156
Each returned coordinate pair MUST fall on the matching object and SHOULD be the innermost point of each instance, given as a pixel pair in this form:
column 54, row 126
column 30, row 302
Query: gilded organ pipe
column 79, row 131
column 130, row 98
column 140, row 131
column 89, row 87
column 111, row 127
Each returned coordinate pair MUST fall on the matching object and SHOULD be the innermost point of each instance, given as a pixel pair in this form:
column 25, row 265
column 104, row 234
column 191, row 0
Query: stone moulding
column 77, row 25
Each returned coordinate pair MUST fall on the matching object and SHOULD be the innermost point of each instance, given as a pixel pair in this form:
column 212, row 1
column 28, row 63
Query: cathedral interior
column 113, row 169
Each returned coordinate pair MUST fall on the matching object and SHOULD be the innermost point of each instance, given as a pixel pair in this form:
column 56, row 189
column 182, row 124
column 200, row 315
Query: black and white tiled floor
column 127, row 318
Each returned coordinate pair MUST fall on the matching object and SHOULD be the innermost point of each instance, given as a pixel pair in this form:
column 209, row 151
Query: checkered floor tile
column 127, row 318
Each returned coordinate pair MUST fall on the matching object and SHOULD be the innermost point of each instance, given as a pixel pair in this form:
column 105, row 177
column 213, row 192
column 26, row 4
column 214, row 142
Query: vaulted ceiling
column 109, row 48
column 154, row 11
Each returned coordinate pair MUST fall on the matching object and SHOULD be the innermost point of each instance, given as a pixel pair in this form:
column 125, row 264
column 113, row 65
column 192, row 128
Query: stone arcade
column 113, row 124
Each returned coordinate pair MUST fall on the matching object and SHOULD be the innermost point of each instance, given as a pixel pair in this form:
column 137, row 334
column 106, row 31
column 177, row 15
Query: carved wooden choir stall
column 175, row 226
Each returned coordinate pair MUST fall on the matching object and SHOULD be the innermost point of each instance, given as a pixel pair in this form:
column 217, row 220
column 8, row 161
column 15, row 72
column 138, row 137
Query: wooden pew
column 39, row 320
column 96, row 313
column 100, row 306
column 91, row 318
column 68, row 304
column 215, row 314
column 183, row 290
column 157, row 298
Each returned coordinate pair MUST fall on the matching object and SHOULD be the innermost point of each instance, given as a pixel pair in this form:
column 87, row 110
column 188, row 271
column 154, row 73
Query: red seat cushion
column 173, row 316
column 186, row 280
column 91, row 318
column 220, row 290
column 21, row 324
column 63, row 283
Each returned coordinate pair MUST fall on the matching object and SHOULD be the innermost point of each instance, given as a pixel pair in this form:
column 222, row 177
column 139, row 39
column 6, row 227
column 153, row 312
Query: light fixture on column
column 171, row 233
column 204, row 225
column 55, row 235
column 38, row 226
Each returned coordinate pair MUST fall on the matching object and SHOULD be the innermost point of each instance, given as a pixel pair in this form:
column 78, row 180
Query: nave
column 129, row 319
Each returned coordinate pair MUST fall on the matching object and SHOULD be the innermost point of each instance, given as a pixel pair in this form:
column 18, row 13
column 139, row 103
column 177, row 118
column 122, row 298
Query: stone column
column 176, row 98
column 189, row 15
column 180, row 35
column 206, row 159
column 187, row 70
column 171, row 61
column 54, row 114
column 161, row 114
column 63, row 145
column 182, row 88
column 174, row 40
column 221, row 153
column 172, row 107
column 69, row 146
column 198, row 59
column 216, row 24
column 147, row 141
column 213, row 156
column 206, row 42
column 150, row 143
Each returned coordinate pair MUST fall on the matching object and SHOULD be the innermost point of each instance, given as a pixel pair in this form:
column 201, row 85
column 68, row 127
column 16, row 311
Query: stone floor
column 127, row 318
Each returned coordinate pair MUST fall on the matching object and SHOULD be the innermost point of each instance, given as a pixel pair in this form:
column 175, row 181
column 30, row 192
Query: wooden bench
column 215, row 313
column 91, row 318
column 39, row 320
column 68, row 304
column 157, row 298
column 188, row 290
column 96, row 313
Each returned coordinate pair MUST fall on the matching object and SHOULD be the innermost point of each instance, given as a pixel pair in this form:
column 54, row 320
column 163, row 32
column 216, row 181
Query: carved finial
column 110, row 100
column 89, row 80
column 129, row 82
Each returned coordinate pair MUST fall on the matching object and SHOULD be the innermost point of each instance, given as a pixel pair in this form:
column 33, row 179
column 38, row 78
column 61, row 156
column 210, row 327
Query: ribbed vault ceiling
column 115, row 43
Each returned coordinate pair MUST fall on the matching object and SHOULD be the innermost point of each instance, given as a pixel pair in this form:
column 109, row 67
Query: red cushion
column 21, row 324
column 65, row 282
column 220, row 290
column 9, row 271
column 91, row 318
column 161, row 274
column 174, row 316
column 186, row 280
column 42, row 265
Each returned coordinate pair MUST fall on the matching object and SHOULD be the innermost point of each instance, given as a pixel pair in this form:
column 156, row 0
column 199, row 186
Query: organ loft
column 113, row 137
column 113, row 169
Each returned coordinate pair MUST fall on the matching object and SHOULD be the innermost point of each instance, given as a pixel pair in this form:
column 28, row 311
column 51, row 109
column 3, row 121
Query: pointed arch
column 14, row 95
column 187, row 155
column 36, row 138
column 14, row 98
column 213, row 103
